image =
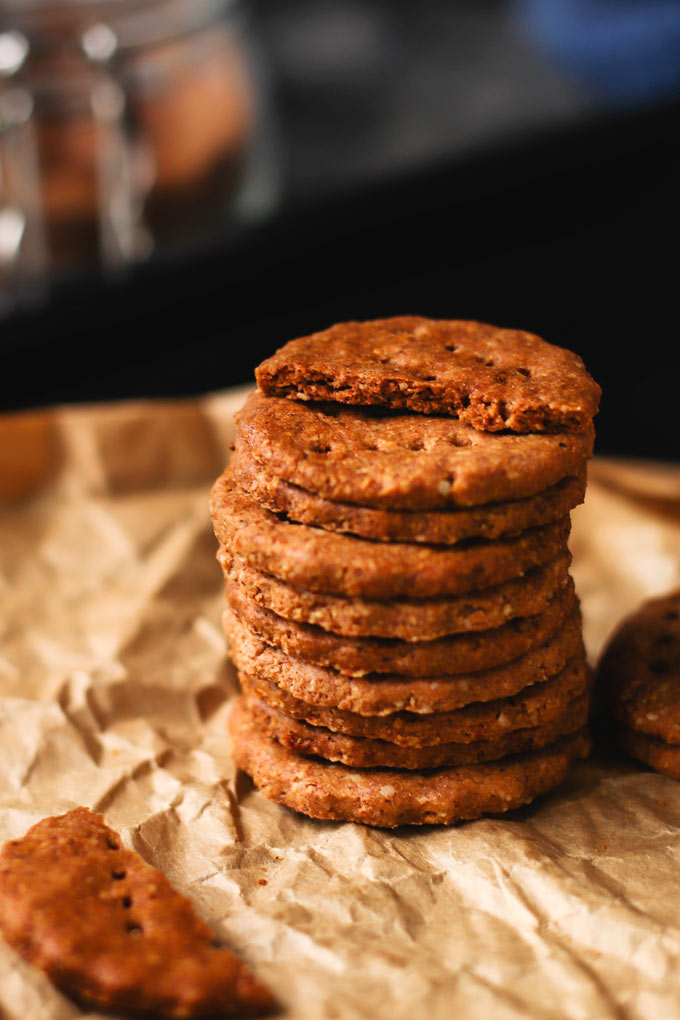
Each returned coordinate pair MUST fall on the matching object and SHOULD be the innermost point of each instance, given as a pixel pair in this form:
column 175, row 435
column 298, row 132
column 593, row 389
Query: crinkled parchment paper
column 115, row 693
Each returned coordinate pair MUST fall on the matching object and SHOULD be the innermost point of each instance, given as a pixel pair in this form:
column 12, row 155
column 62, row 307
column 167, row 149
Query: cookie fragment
column 490, row 378
column 109, row 930
column 391, row 797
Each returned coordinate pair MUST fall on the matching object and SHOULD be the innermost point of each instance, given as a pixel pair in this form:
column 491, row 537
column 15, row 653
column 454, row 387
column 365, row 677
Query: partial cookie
column 459, row 653
column 387, row 797
column 402, row 461
column 639, row 671
column 656, row 753
column 488, row 377
column 365, row 752
column 109, row 929
column 538, row 705
column 323, row 561
column 423, row 620
column 384, row 695
column 442, row 527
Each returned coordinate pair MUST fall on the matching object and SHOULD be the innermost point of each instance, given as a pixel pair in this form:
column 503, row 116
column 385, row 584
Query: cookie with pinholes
column 110, row 931
column 490, row 378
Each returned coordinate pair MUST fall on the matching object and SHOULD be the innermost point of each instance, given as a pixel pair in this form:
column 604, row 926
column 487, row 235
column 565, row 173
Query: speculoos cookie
column 537, row 705
column 658, row 754
column 324, row 561
column 423, row 620
column 384, row 695
column 110, row 931
column 437, row 527
column 458, row 653
column 402, row 461
column 491, row 378
column 390, row 797
column 365, row 752
column 639, row 670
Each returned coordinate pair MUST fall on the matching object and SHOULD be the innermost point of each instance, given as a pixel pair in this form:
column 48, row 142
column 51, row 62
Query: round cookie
column 639, row 670
column 423, row 620
column 366, row 752
column 387, row 797
column 324, row 561
column 437, row 527
column 402, row 461
column 489, row 377
column 384, row 695
column 459, row 653
column 656, row 753
column 538, row 705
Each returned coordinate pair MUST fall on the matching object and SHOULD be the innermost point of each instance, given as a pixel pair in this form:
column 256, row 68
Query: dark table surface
column 565, row 225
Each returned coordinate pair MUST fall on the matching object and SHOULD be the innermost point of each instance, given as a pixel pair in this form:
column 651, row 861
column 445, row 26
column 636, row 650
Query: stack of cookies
column 393, row 532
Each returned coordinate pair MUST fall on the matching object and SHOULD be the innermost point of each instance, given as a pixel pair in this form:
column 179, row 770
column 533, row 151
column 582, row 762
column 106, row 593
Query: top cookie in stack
column 400, row 609
column 493, row 379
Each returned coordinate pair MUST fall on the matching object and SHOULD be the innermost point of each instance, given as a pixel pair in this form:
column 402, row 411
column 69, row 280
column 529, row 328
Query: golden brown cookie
column 423, row 620
column 491, row 378
column 537, row 705
column 458, row 653
column 639, row 680
column 658, row 754
column 390, row 797
column 383, row 695
column 323, row 561
column 442, row 527
column 366, row 752
column 109, row 929
column 402, row 461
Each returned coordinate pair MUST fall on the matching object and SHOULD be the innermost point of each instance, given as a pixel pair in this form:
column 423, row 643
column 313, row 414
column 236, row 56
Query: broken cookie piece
column 109, row 930
column 492, row 379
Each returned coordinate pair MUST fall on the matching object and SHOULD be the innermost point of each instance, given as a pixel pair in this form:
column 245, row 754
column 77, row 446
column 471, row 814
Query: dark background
column 432, row 160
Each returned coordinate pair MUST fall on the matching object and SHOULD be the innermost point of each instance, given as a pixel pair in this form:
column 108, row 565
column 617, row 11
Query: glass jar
column 124, row 124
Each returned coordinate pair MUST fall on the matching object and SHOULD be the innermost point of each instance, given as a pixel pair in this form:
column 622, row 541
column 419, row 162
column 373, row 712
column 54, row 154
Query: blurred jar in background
column 124, row 124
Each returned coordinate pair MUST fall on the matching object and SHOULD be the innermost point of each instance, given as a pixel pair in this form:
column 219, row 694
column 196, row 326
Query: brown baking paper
column 115, row 695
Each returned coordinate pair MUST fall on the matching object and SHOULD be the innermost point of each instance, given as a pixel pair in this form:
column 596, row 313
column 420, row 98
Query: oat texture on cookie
column 393, row 532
